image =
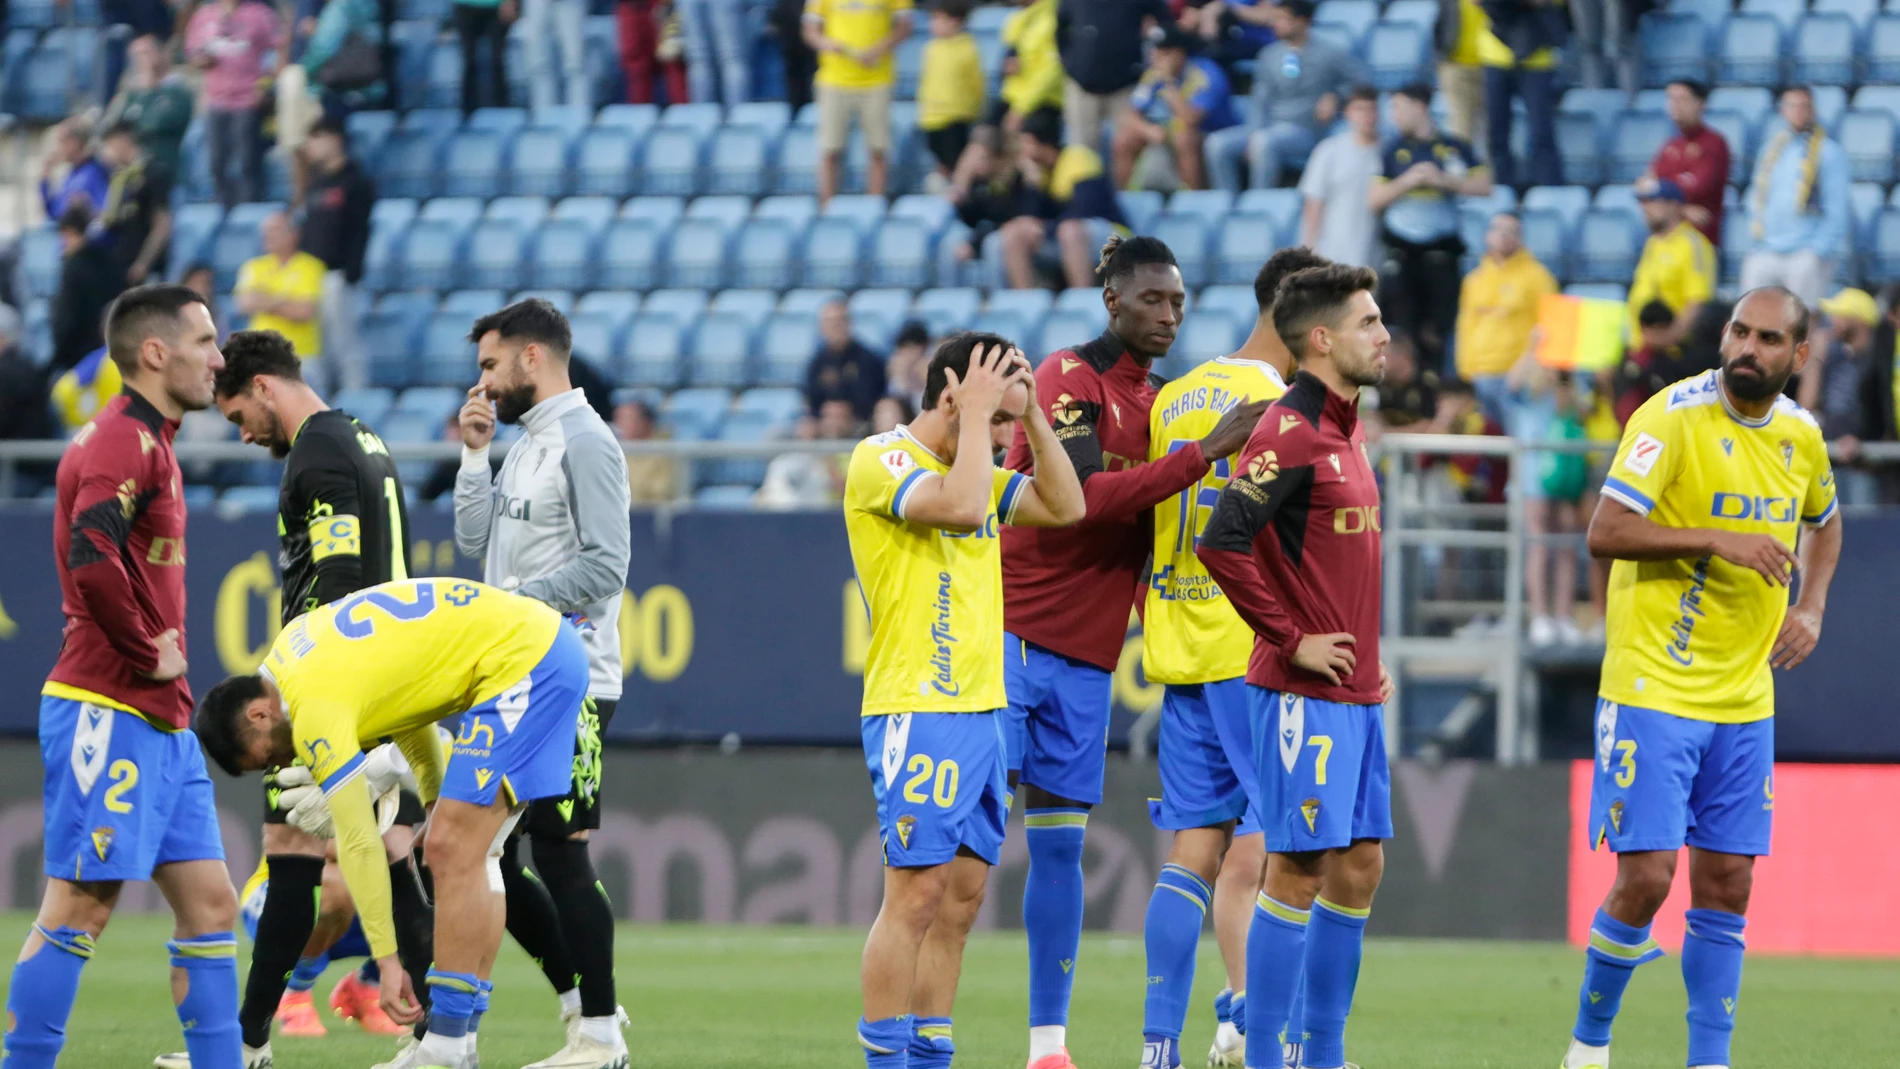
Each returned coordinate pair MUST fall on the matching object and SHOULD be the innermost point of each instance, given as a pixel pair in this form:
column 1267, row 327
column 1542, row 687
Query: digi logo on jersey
column 1732, row 506
column 988, row 530
column 1356, row 519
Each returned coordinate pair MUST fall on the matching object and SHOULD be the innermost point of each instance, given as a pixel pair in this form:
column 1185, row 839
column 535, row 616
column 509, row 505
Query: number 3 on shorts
column 1626, row 763
column 943, row 791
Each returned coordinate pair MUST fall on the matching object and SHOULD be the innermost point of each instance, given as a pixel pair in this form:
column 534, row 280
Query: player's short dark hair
column 532, row 320
column 1419, row 91
column 1315, row 297
column 1697, row 88
column 1299, row 9
column 956, row 9
column 1654, row 314
column 1362, row 91
column 953, row 354
column 913, row 332
column 120, row 129
column 250, row 353
column 75, row 219
column 1797, row 333
column 1045, row 125
column 1281, row 264
column 143, row 312
column 1121, row 256
column 220, row 716
column 333, row 128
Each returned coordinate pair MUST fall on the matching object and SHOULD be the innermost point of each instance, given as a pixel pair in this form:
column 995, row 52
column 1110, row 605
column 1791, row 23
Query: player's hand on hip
column 1766, row 554
column 171, row 660
column 1233, row 430
column 398, row 992
column 477, row 419
column 980, row 388
column 1800, row 631
column 1386, row 686
column 1328, row 656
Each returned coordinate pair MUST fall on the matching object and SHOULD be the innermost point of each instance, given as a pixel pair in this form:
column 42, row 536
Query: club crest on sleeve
column 898, row 462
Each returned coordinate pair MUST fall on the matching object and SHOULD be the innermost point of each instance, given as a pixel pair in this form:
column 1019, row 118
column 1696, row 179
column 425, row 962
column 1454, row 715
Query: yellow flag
column 1580, row 333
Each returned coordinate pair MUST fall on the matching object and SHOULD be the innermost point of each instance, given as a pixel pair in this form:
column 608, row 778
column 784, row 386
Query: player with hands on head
column 1703, row 514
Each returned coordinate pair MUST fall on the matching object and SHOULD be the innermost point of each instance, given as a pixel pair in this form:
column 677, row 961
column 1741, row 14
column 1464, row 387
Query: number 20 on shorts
column 943, row 787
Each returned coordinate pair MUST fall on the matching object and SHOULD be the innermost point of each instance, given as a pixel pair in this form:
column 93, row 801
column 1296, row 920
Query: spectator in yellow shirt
column 1678, row 263
column 1497, row 309
column 1032, row 80
column 1460, row 77
column 950, row 87
column 854, row 40
column 281, row 291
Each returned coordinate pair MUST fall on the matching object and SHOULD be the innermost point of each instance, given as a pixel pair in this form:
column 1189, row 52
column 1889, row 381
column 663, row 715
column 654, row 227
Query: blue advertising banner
column 750, row 624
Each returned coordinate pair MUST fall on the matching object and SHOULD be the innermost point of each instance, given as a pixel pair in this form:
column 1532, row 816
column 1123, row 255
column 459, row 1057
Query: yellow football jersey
column 1190, row 634
column 935, row 597
column 1691, row 637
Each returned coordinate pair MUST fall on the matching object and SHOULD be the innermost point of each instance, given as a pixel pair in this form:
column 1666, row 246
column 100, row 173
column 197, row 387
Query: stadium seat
column 702, row 119
column 1339, row 36
column 1579, row 146
column 636, row 118
column 409, row 164
column 697, row 413
column 493, row 254
column 367, row 131
column 1548, row 239
column 630, row 254
column 192, row 227
column 537, row 161
column 1236, row 302
column 1786, row 13
column 1883, row 262
column 1829, row 102
column 934, row 212
column 41, row 256
column 763, row 253
column 1141, row 207
column 724, row 498
column 738, row 161
column 684, row 305
column 1397, row 53
column 909, row 61
column 367, row 403
column 1356, row 15
column 498, row 120
column 660, row 212
column 778, row 405
column 596, row 212
column 1736, row 130
column 727, row 211
column 900, row 254
column 721, row 352
column 863, row 209
column 1030, row 304
column 1753, row 102
column 1603, row 105
column 527, row 212
column 809, row 299
column 1570, row 202
column 946, row 310
column 1422, row 13
column 1186, row 235
column 696, row 254
column 235, row 241
column 1239, row 242
column 669, row 160
column 1879, row 98
column 1280, row 205
column 755, row 306
column 832, row 253
column 798, row 209
column 391, row 332
column 562, row 255
column 1883, row 49
column 877, row 313
column 1672, row 46
column 1061, row 330
column 746, row 426
column 1868, row 138
column 1011, row 325
column 618, row 306
column 1209, row 205
column 242, row 499
column 430, row 402
column 786, row 345
column 472, row 303
column 446, row 356
column 650, row 352
column 1204, row 336
column 797, row 161
column 1607, row 246
column 604, row 162
column 471, row 164
column 1823, row 49
column 1639, row 135
column 770, row 117
column 1752, row 51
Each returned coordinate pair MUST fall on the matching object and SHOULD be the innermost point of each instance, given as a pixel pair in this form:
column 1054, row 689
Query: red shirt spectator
column 1695, row 159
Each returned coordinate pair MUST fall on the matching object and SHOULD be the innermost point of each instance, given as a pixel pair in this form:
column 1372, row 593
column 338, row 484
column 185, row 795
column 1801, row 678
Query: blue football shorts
column 939, row 784
column 1057, row 733
column 1323, row 776
column 353, row 944
column 122, row 797
column 1664, row 780
column 1206, row 758
column 523, row 738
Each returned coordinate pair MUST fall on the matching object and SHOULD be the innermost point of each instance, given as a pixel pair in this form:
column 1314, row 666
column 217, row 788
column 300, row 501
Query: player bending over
column 1294, row 544
column 1068, row 595
column 393, row 660
column 922, row 504
column 126, row 793
column 1194, row 644
column 1700, row 512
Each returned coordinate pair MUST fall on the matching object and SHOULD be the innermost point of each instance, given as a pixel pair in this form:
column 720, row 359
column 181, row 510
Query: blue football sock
column 1160, row 1052
column 1334, row 942
column 41, row 998
column 209, row 1011
column 930, row 1045
column 1239, row 1011
column 307, row 973
column 1276, row 942
column 1296, row 1017
column 1615, row 950
column 481, row 1006
column 1224, row 1006
column 1052, row 909
column 371, row 973
column 453, row 997
column 886, row 1043
column 1176, row 911
column 1712, row 971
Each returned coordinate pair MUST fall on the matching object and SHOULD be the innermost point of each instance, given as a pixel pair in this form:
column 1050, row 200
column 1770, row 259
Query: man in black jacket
column 88, row 281
column 336, row 231
column 1101, row 46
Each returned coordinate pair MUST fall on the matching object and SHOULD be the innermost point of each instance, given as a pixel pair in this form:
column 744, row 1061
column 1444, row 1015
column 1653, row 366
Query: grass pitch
column 786, row 998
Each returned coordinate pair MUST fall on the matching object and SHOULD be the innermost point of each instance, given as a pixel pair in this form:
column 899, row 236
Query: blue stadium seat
column 696, row 255
column 1570, row 202
column 499, row 120
column 1785, row 12
column 367, row 403
column 1397, row 53
column 1236, row 302
column 1711, row 12
column 1861, row 11
column 237, row 240
column 797, row 161
column 1580, row 146
column 192, row 227
column 637, row 118
column 1017, row 328
column 630, row 254
column 684, row 305
column 562, row 300
column 1752, row 51
column 738, row 161
column 368, row 130
column 596, row 337
column 721, row 353
column 1638, row 137
column 900, row 254
column 724, row 498
column 769, row 116
column 493, row 254
column 528, row 212
column 604, row 162
column 472, row 303
column 1737, row 131
column 243, row 499
column 1619, row 198
column 1823, row 49
column 1423, row 13
column 1603, row 105
column 755, row 306
column 833, row 253
column 798, row 209
column 657, row 211
column 410, row 161
column 1879, row 98
column 1601, row 291
column 697, row 413
column 447, row 357
column 1061, row 330
column 1672, row 46
column 1752, row 101
column 670, row 160
column 727, row 211
column 1883, row 49
column 464, row 212
column 537, row 161
column 1355, row 16
column 1607, row 246
column 391, row 332
column 617, row 305
column 1883, row 262
column 1187, row 236
column 1864, row 202
column 1241, row 245
column 650, row 351
column 702, row 119
column 778, row 405
column 1280, row 205
column 570, row 119
column 763, row 253
column 934, row 212
column 786, row 345
column 1829, row 102
column 41, row 256
column 946, row 310
column 809, row 299
column 863, row 209
column 1031, row 305
column 1868, row 137
column 430, row 402
column 388, row 224
column 596, row 212
column 471, row 164
column 562, row 255
column 1208, row 205
column 1548, row 239
column 1204, row 336
column 1141, row 207
column 877, row 313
